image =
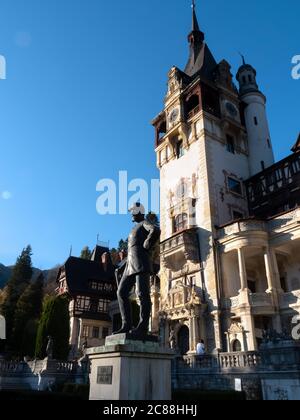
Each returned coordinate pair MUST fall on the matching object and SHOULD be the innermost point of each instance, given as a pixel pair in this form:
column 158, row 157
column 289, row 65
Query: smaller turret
column 261, row 154
column 246, row 77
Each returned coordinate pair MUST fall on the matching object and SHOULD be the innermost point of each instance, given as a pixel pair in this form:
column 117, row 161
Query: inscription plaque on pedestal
column 104, row 375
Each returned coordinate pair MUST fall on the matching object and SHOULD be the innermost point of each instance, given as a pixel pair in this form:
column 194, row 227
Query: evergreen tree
column 19, row 280
column 28, row 310
column 114, row 256
column 54, row 322
column 86, row 253
column 123, row 245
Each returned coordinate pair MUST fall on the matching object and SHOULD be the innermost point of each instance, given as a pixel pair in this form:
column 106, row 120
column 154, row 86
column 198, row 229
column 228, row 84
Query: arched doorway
column 236, row 346
column 184, row 340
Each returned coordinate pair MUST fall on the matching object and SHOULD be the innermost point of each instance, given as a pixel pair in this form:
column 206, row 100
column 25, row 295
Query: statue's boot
column 124, row 330
column 139, row 332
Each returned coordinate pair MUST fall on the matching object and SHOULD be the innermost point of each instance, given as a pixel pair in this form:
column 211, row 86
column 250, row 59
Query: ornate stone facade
column 224, row 277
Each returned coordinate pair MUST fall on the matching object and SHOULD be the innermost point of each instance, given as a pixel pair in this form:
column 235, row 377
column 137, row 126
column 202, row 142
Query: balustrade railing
column 220, row 362
column 239, row 360
column 36, row 367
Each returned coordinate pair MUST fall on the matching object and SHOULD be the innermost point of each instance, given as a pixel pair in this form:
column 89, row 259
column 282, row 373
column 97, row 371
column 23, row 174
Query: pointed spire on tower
column 195, row 24
column 200, row 59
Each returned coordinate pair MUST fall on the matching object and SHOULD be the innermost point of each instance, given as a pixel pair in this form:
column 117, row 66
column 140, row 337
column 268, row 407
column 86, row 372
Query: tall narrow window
column 95, row 333
column 230, row 146
column 263, row 166
column 105, row 332
column 179, row 149
column 255, row 121
column 85, row 331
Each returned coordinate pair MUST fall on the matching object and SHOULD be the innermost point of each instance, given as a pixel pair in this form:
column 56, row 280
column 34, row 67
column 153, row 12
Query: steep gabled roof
column 79, row 273
column 296, row 146
column 201, row 61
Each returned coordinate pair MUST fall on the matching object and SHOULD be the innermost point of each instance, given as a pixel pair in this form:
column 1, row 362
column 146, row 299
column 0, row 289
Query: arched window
column 236, row 346
column 180, row 222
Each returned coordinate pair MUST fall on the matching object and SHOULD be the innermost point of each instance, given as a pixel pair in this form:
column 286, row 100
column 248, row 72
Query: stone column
column 197, row 332
column 249, row 327
column 217, row 329
column 194, row 333
column 276, row 270
column 274, row 286
column 269, row 273
column 191, row 350
column 242, row 270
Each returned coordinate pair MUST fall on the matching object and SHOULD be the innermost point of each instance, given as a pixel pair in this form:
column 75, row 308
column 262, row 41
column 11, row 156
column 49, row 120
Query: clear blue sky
column 84, row 80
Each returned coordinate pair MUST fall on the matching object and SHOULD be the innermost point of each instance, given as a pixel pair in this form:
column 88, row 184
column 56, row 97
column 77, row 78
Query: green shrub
column 54, row 322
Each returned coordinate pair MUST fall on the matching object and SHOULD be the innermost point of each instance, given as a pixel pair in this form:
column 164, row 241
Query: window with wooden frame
column 180, row 222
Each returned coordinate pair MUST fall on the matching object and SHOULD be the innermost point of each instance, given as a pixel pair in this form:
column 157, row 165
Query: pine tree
column 28, row 311
column 54, row 322
column 123, row 245
column 20, row 279
column 86, row 253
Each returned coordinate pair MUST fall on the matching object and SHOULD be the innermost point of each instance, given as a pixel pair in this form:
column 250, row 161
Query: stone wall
column 41, row 375
column 273, row 373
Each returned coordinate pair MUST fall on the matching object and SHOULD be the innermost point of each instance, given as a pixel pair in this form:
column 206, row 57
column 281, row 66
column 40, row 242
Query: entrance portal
column 184, row 340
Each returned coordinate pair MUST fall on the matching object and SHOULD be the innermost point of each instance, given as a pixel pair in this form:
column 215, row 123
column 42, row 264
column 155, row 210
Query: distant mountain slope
column 5, row 273
column 49, row 275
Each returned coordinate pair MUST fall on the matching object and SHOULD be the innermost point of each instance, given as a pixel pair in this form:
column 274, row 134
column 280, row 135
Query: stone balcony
column 242, row 227
column 180, row 248
column 260, row 302
column 290, row 300
column 286, row 221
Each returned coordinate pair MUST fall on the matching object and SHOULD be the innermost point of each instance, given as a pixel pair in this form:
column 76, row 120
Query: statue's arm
column 153, row 235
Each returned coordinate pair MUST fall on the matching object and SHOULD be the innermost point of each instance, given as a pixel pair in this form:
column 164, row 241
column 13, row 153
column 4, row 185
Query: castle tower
column 259, row 140
column 203, row 154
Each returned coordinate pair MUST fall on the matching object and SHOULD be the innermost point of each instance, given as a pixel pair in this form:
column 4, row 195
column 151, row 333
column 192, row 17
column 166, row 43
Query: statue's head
column 138, row 212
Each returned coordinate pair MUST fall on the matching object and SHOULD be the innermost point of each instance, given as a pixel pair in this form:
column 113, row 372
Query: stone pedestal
column 126, row 369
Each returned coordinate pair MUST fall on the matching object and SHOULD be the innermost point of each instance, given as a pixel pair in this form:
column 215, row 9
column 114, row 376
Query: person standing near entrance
column 200, row 348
